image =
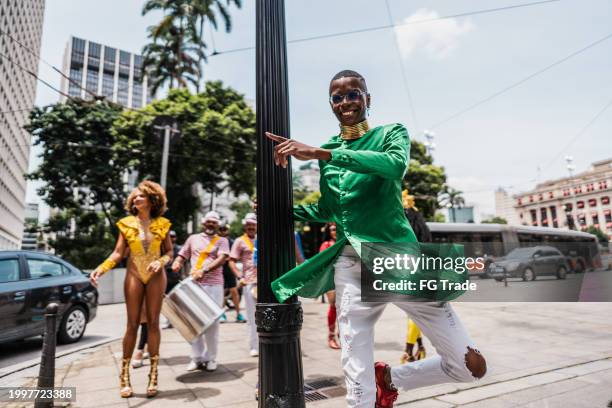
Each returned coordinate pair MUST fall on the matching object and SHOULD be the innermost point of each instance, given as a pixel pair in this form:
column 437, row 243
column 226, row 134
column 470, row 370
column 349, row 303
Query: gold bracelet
column 164, row 260
column 107, row 265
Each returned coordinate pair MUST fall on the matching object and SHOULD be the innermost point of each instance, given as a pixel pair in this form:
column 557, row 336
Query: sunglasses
column 352, row 96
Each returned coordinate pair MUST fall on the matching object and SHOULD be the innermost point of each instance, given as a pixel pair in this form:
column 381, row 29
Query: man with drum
column 207, row 252
column 242, row 250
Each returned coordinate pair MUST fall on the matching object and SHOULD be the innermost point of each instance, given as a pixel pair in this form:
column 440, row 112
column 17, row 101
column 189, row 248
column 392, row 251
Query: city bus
column 491, row 241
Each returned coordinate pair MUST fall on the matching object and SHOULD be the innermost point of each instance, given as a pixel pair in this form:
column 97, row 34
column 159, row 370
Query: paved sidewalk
column 539, row 355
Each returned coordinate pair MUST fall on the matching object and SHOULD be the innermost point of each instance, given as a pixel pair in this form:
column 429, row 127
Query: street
column 593, row 286
column 108, row 325
column 538, row 355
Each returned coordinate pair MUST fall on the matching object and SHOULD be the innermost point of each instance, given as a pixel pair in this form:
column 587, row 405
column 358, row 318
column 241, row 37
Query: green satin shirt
column 361, row 191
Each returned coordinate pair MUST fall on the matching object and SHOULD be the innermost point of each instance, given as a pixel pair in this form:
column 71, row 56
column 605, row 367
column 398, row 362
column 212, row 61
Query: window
column 534, row 217
column 590, row 187
column 551, row 194
column 40, row 268
column 531, row 199
column 603, row 184
column 577, row 190
column 520, row 201
column 9, row 270
column 540, row 196
column 605, row 200
column 580, row 204
column 544, row 216
column 566, row 192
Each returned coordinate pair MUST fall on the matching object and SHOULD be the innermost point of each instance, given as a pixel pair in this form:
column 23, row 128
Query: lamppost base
column 280, row 360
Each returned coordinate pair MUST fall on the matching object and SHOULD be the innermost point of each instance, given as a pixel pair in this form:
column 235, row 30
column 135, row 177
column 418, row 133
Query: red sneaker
column 385, row 394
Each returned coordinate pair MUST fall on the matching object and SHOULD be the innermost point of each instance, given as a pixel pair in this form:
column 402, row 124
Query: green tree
column 452, row 199
column 240, row 208
column 81, row 237
column 602, row 237
column 424, row 180
column 215, row 148
column 495, row 220
column 79, row 166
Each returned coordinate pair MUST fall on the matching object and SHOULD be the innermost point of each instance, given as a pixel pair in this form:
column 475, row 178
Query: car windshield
column 520, row 253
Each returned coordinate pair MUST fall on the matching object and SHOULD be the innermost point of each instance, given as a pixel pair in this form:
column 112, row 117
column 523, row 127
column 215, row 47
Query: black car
column 528, row 263
column 29, row 281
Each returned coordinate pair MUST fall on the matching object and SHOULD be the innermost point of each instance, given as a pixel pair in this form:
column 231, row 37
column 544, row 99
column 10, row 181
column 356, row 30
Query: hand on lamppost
column 291, row 147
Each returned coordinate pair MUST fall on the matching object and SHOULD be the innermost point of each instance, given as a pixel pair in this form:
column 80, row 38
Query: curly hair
column 156, row 195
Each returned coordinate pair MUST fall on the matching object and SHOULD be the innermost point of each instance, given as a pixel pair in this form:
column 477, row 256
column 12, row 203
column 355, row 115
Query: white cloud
column 436, row 38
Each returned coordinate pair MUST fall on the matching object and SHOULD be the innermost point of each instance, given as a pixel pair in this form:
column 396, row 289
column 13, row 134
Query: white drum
column 190, row 310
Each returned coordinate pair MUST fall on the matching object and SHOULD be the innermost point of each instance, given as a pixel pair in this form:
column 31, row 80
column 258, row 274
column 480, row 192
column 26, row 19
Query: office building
column 21, row 24
column 96, row 69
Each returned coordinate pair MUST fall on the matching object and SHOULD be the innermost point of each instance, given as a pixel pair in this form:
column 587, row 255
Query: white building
column 309, row 174
column 504, row 207
column 21, row 22
column 106, row 71
column 581, row 200
column 30, row 239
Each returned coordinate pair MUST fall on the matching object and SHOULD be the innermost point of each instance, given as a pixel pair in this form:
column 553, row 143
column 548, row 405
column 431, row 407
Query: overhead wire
column 402, row 69
column 520, row 81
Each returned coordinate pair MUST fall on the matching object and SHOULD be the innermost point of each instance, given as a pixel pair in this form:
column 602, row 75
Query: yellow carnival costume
column 142, row 255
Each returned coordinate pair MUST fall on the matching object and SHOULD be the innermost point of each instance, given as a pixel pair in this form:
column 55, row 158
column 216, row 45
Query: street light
column 430, row 146
column 281, row 381
column 569, row 160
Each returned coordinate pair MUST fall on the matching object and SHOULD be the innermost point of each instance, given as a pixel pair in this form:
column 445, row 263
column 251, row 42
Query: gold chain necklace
column 352, row 132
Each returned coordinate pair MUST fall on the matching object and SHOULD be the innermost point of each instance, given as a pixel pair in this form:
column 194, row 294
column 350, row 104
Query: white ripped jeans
column 199, row 353
column 356, row 321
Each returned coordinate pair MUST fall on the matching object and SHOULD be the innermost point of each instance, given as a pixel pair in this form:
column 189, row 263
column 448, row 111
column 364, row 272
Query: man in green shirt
column 361, row 177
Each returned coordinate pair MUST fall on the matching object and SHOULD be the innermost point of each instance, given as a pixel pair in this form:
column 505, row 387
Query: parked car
column 29, row 281
column 529, row 263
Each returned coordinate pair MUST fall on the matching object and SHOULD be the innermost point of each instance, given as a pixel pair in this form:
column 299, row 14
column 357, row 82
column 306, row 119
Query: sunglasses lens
column 354, row 96
column 337, row 98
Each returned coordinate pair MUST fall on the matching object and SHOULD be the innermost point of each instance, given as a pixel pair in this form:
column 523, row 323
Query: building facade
column 104, row 71
column 21, row 24
column 575, row 202
column 30, row 236
column 504, row 207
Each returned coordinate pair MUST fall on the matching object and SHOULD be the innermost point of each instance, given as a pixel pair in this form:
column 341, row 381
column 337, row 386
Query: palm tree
column 205, row 10
column 451, row 198
column 177, row 52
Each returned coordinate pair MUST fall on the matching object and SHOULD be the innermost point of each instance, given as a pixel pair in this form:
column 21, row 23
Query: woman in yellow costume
column 145, row 232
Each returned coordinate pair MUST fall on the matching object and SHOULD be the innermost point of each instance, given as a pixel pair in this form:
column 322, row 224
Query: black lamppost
column 281, row 383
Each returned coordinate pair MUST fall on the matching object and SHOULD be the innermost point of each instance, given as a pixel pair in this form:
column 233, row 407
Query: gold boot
column 152, row 387
column 124, row 379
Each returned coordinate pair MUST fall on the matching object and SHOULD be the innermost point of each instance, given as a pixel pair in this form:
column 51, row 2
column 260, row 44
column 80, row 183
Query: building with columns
column 106, row 71
column 574, row 202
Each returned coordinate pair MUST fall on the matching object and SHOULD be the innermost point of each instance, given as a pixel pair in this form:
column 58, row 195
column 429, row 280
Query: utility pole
column 569, row 160
column 281, row 379
column 168, row 129
column 430, row 146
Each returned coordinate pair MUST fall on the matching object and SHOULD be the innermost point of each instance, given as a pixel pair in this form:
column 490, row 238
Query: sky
column 513, row 140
